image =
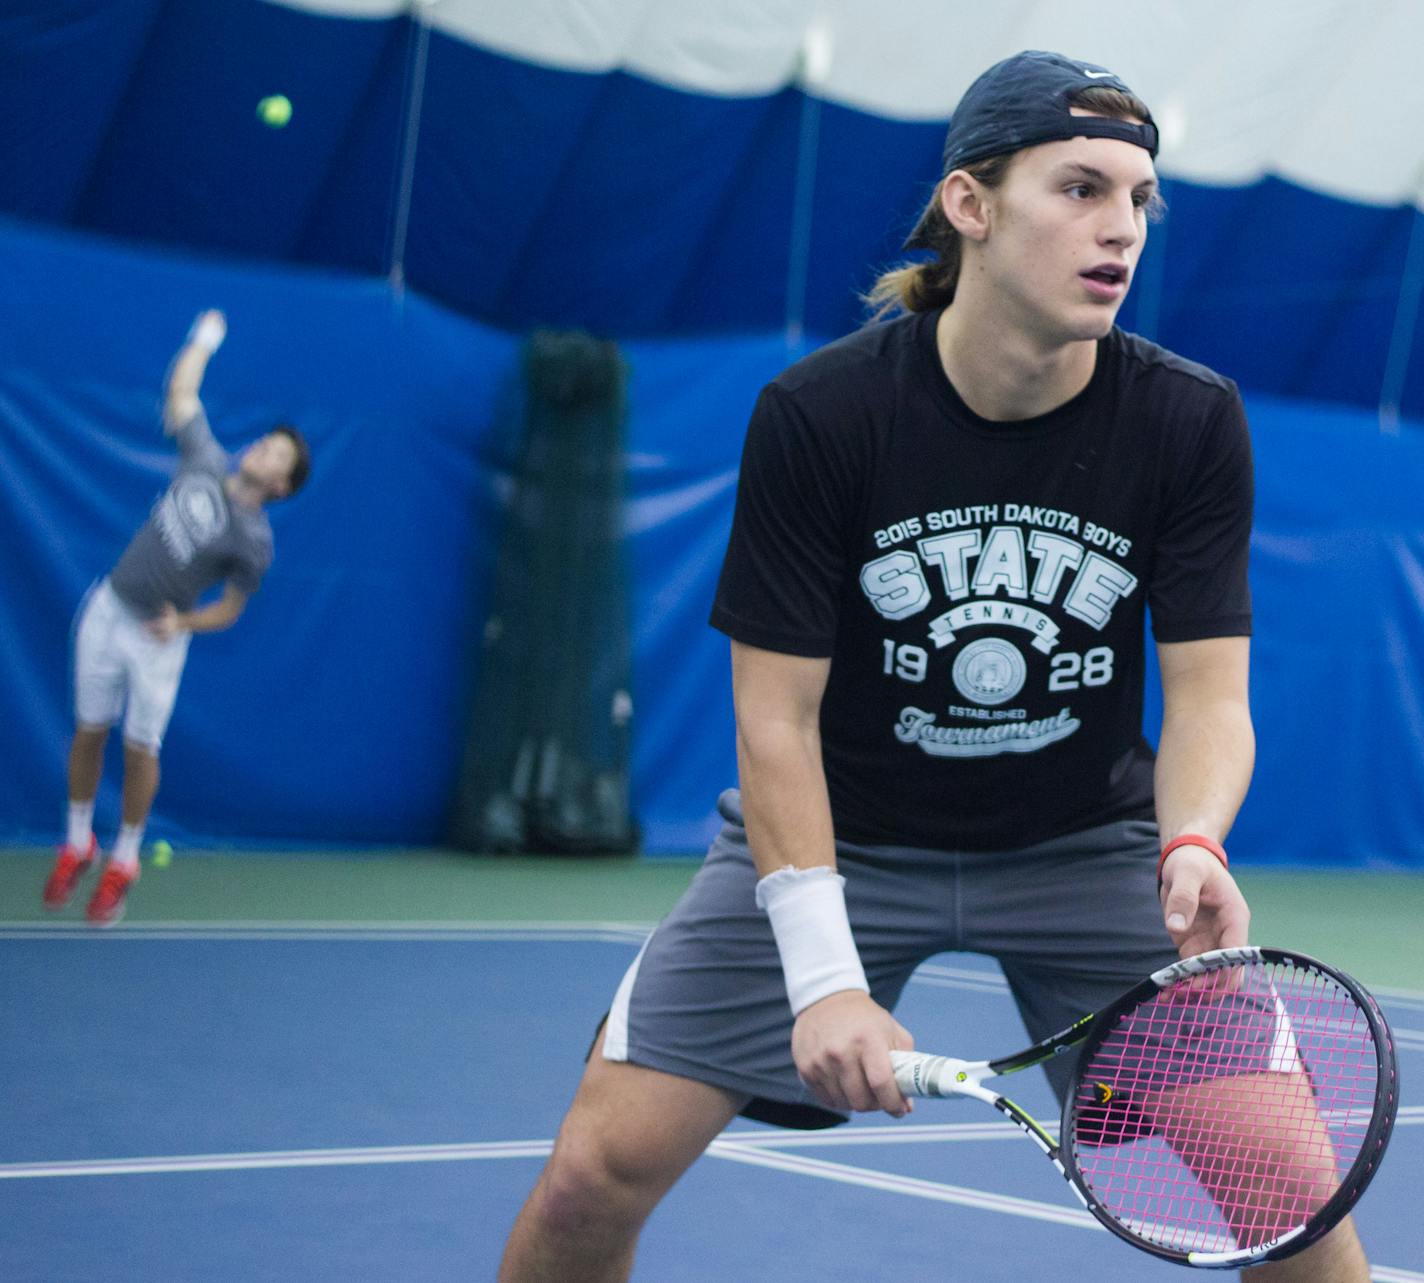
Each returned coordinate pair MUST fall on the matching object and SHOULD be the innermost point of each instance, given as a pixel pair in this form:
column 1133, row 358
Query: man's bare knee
column 586, row 1184
column 630, row 1133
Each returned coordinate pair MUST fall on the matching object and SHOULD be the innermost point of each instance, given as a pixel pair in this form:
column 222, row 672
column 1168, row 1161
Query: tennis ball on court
column 275, row 110
column 162, row 854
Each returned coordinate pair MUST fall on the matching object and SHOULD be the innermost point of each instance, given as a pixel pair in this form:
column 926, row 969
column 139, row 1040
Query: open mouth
column 1108, row 274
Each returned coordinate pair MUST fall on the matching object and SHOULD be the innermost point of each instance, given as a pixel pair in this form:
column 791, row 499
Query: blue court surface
column 288, row 1101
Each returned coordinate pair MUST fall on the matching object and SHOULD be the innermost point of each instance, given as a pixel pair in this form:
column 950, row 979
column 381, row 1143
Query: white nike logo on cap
column 1095, row 75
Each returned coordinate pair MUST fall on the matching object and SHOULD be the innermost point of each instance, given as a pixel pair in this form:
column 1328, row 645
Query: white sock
column 81, row 824
column 126, row 845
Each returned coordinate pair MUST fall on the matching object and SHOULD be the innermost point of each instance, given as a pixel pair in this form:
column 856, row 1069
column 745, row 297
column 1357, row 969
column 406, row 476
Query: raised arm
column 842, row 1039
column 180, row 401
column 1204, row 763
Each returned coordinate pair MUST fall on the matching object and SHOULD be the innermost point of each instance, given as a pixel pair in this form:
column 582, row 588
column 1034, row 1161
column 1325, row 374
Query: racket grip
column 917, row 1074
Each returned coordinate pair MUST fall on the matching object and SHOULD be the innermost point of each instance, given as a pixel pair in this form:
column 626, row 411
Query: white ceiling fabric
column 1325, row 93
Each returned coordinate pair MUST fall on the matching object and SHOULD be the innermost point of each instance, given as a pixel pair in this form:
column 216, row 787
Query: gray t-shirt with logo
column 195, row 536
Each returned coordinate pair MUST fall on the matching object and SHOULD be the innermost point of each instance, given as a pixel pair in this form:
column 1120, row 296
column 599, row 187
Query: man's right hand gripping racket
column 1228, row 1110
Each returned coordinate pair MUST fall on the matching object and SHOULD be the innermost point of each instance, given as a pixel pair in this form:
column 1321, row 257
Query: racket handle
column 918, row 1074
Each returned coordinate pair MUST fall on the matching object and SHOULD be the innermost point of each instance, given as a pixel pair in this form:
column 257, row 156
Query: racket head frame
column 1355, row 1180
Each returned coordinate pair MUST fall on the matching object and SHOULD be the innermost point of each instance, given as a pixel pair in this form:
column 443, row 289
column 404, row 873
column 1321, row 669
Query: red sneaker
column 69, row 870
column 106, row 906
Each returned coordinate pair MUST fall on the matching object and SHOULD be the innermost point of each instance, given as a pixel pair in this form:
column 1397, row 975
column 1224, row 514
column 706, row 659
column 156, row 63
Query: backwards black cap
column 1023, row 101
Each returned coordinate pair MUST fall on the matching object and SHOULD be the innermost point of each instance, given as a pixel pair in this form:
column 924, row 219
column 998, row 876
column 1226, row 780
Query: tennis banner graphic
column 974, row 613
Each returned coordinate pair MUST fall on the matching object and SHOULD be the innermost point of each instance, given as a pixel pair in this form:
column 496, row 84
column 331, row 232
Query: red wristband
column 1192, row 839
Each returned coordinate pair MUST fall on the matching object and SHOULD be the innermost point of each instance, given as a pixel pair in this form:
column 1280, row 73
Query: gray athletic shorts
column 1073, row 922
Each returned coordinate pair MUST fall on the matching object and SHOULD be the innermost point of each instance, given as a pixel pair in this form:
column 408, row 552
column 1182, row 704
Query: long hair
column 930, row 285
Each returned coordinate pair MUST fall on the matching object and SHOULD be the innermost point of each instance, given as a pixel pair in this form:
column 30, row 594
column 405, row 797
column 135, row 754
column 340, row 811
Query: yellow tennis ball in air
column 275, row 110
column 162, row 854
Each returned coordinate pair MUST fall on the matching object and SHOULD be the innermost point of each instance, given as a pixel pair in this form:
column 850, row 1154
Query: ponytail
column 929, row 286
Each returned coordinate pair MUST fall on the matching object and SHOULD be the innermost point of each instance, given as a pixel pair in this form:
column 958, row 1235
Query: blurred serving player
column 209, row 527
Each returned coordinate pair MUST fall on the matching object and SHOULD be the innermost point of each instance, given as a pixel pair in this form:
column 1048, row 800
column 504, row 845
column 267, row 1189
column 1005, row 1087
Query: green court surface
column 1369, row 923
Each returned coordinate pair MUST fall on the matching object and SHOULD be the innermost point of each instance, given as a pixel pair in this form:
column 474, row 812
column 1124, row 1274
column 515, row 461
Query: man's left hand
column 1203, row 907
column 167, row 624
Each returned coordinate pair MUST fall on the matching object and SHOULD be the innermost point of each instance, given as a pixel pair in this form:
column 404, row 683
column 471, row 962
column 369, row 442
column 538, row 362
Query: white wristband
column 209, row 333
column 808, row 917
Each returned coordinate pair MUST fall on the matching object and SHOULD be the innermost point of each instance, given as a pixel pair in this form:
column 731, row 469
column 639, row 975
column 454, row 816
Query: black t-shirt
column 979, row 586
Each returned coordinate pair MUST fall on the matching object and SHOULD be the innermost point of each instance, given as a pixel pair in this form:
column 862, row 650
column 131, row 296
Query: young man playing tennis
column 209, row 527
column 948, row 527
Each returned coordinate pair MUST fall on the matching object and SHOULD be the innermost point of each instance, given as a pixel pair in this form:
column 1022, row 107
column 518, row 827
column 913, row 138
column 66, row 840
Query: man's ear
column 965, row 203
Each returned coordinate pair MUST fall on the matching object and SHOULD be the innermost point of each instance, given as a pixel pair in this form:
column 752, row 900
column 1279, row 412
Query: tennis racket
column 1228, row 1110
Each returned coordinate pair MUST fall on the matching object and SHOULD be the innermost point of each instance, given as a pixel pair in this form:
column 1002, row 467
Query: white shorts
column 117, row 658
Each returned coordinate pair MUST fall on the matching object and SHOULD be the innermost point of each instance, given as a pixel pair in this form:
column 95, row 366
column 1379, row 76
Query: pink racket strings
column 1226, row 1110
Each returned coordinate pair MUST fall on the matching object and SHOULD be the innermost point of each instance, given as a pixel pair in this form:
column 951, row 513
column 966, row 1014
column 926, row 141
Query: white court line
column 389, row 937
column 938, row 971
column 891, row 1134
column 971, row 986
column 980, row 1200
column 934, row 975
column 756, row 1154
column 907, row 1133
column 1399, row 997
column 911, row 1133
column 278, row 1158
column 754, row 1149
column 965, row 977
column 355, row 1157
column 474, row 928
column 477, row 927
column 869, row 1179
column 518, row 932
